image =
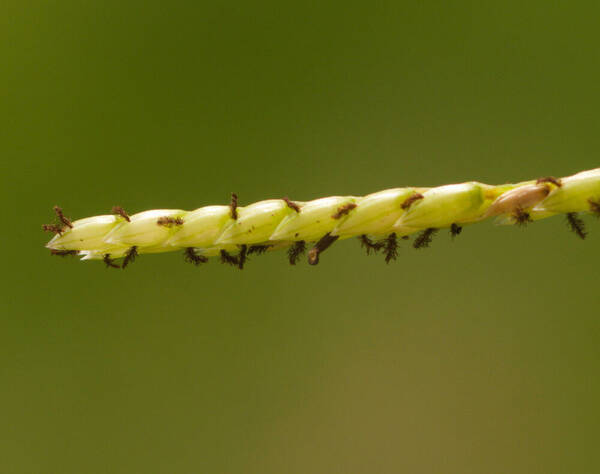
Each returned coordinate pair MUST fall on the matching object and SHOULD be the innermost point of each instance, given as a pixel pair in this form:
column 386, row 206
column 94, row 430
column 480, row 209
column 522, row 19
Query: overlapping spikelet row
column 233, row 232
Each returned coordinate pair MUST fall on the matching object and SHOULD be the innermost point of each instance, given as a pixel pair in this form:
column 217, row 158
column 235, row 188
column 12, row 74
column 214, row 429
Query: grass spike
column 232, row 232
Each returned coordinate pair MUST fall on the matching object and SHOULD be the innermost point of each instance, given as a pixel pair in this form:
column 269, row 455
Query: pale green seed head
column 522, row 197
column 211, row 229
column 202, row 227
column 313, row 221
column 255, row 223
column 113, row 251
column 143, row 230
column 574, row 194
column 116, row 252
column 444, row 206
column 375, row 213
column 86, row 234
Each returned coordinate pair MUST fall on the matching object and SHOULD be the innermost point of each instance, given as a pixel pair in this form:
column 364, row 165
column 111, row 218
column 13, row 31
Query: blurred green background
column 479, row 355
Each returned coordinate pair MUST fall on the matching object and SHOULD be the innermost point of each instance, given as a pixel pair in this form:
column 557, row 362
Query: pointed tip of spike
column 52, row 243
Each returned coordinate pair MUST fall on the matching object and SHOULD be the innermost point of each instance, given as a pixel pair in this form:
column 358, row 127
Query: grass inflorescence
column 234, row 233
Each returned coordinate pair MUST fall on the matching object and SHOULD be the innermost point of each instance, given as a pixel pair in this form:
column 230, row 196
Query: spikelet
column 232, row 232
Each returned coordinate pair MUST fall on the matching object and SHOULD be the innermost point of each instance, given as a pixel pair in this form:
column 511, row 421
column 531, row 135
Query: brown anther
column 190, row 256
column 129, row 257
column 242, row 256
column 455, row 230
column 521, row 217
column 109, row 262
column 63, row 253
column 576, row 224
column 594, row 207
column 291, row 204
column 549, row 179
column 343, row 210
column 56, row 229
column 323, row 244
column 409, row 200
column 391, row 248
column 258, row 249
column 62, row 217
column 233, row 206
column 229, row 259
column 369, row 245
column 296, row 251
column 169, row 221
column 424, row 238
column 119, row 211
